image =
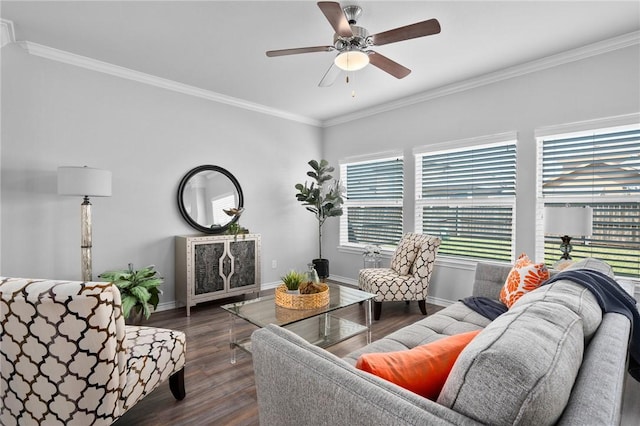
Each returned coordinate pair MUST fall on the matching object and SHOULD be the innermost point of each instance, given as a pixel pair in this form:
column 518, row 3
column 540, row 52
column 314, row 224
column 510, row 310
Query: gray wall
column 597, row 87
column 54, row 114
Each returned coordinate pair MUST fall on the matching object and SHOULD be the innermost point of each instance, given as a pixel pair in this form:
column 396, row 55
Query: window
column 219, row 204
column 601, row 169
column 373, row 202
column 466, row 196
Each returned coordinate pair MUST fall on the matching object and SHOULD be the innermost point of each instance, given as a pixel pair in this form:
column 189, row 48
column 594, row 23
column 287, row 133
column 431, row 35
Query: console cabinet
column 216, row 266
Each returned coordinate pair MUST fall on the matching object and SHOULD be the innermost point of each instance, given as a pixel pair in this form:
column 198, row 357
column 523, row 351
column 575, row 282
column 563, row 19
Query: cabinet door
column 207, row 276
column 244, row 255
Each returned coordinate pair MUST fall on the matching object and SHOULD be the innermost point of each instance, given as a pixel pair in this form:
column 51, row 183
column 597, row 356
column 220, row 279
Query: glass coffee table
column 317, row 326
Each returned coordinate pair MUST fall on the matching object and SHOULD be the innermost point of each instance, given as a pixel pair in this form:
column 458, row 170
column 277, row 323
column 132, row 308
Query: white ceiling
column 220, row 46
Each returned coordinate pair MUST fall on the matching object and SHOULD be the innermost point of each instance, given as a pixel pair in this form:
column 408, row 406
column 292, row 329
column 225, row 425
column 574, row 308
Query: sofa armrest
column 299, row 383
column 597, row 394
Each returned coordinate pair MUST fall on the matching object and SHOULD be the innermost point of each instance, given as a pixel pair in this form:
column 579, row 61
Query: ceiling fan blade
column 387, row 65
column 330, row 76
column 334, row 14
column 282, row 52
column 419, row 29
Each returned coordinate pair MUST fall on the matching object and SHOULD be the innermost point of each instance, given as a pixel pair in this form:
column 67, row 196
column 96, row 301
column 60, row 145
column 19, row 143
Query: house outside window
column 373, row 202
column 599, row 168
column 465, row 194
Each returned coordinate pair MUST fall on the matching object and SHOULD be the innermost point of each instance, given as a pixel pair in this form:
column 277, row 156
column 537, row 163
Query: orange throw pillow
column 423, row 369
column 523, row 277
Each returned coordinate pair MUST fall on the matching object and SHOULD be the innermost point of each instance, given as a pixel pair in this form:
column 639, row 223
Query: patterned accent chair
column 67, row 358
column 409, row 275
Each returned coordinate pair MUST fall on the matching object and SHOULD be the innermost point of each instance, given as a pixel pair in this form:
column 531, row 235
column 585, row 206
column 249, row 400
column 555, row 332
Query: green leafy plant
column 139, row 289
column 323, row 197
column 293, row 279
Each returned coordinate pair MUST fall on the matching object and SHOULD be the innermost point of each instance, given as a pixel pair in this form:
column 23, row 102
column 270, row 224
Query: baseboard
column 166, row 306
column 269, row 286
column 344, row 280
column 439, row 301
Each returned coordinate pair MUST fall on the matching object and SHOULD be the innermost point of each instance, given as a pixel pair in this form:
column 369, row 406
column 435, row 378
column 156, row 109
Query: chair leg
column 423, row 307
column 176, row 384
column 377, row 310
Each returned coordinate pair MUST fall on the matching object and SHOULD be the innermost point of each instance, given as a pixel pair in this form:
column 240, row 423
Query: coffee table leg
column 326, row 327
column 367, row 319
column 232, row 338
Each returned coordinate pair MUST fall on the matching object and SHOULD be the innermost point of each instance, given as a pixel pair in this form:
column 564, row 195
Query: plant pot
column 136, row 316
column 322, row 268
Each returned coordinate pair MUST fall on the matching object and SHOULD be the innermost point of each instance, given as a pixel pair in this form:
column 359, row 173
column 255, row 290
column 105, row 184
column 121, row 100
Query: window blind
column 373, row 205
column 380, row 180
column 478, row 172
column 467, row 197
column 601, row 170
column 605, row 164
column 471, row 231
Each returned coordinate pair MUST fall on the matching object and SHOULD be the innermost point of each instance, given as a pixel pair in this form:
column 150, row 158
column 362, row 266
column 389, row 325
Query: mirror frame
column 183, row 211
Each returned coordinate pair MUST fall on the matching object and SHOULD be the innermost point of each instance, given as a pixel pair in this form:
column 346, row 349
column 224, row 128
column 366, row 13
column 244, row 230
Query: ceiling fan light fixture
column 351, row 60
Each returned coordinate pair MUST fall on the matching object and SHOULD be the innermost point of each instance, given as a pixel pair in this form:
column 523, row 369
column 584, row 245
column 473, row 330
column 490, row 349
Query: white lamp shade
column 351, row 60
column 84, row 181
column 571, row 221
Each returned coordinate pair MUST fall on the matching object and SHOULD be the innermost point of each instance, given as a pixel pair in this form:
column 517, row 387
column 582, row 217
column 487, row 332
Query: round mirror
column 209, row 198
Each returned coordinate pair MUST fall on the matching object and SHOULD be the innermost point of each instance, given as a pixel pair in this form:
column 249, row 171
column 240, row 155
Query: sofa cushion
column 405, row 255
column 593, row 264
column 520, row 369
column 423, row 369
column 455, row 319
column 575, row 297
column 524, row 277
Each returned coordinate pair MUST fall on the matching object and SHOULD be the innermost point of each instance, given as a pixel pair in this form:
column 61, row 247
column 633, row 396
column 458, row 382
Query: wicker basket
column 302, row 301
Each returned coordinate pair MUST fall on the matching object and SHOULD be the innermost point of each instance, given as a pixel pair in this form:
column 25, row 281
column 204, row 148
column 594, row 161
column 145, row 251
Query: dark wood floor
column 219, row 393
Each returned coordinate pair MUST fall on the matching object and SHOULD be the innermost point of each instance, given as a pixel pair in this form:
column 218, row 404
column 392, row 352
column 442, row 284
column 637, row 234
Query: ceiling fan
column 353, row 42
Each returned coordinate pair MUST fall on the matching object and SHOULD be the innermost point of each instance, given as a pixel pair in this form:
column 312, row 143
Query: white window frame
column 570, row 130
column 462, row 146
column 363, row 159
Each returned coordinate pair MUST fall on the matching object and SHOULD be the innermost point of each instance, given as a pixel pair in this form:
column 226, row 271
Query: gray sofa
column 553, row 358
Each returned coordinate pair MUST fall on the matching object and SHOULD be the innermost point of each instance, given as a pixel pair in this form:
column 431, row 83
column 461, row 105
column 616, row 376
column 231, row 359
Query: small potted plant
column 292, row 280
column 139, row 290
column 234, row 227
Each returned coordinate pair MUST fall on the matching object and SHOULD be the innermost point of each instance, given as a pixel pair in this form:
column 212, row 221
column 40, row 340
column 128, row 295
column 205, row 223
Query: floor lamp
column 568, row 222
column 85, row 182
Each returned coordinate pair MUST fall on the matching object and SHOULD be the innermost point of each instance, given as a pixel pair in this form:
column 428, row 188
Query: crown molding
column 140, row 77
column 569, row 56
column 7, row 34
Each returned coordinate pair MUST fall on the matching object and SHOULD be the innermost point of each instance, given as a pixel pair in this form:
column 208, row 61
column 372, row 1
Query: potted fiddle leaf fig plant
column 139, row 290
column 323, row 198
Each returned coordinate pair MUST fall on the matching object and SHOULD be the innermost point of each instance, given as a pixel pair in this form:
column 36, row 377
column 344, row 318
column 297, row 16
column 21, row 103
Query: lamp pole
column 85, row 239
